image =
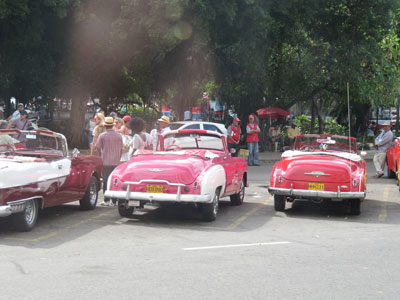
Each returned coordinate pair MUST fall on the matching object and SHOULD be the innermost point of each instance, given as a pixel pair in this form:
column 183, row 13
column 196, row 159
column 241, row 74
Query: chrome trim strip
column 35, row 182
column 317, row 173
column 316, row 194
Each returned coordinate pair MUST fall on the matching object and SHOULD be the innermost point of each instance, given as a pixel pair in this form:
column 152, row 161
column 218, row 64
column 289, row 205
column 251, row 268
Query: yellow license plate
column 316, row 186
column 151, row 188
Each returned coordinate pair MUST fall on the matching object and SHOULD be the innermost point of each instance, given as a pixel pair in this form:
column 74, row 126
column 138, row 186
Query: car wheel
column 124, row 210
column 391, row 174
column 89, row 200
column 26, row 220
column 210, row 210
column 279, row 202
column 355, row 207
column 237, row 199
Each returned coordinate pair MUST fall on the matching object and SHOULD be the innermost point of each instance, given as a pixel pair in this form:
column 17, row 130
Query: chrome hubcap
column 241, row 192
column 215, row 204
column 93, row 192
column 30, row 211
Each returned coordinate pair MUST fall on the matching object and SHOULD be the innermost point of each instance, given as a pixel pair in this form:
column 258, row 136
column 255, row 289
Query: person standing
column 163, row 127
column 110, row 145
column 139, row 139
column 382, row 144
column 292, row 132
column 98, row 129
column 234, row 133
column 252, row 130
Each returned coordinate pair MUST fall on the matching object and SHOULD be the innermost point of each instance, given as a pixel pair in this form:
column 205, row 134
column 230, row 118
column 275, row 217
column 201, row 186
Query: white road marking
column 237, row 245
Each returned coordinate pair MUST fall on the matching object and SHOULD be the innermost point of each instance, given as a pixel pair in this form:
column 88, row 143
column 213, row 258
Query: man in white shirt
column 17, row 114
column 382, row 144
column 163, row 127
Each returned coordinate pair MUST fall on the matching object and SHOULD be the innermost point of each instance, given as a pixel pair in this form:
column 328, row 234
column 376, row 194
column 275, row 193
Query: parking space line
column 383, row 213
column 52, row 234
column 240, row 220
column 235, row 246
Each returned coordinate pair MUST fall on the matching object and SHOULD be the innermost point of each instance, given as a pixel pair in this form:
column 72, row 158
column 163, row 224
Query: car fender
column 211, row 179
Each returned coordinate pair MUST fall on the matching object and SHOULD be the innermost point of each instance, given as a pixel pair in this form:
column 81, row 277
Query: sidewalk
column 268, row 156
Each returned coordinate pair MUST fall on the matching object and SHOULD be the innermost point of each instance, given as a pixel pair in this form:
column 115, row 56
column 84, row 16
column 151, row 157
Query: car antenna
column 348, row 114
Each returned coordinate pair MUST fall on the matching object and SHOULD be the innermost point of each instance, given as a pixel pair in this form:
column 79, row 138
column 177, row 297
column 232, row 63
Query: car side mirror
column 75, row 153
column 363, row 153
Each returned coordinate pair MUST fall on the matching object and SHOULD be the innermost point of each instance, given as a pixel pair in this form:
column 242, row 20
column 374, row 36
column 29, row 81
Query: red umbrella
column 272, row 112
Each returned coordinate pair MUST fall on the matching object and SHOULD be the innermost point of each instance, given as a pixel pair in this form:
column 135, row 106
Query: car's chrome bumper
column 158, row 197
column 316, row 194
column 5, row 210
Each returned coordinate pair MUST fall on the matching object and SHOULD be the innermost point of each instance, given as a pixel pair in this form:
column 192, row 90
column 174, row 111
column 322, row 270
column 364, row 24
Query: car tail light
column 115, row 181
column 354, row 182
column 280, row 179
column 195, row 185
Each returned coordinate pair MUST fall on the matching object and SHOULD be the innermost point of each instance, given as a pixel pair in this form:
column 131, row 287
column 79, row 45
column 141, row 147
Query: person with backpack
column 234, row 132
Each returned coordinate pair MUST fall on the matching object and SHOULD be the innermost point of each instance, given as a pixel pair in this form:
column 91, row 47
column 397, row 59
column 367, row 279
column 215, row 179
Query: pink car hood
column 173, row 168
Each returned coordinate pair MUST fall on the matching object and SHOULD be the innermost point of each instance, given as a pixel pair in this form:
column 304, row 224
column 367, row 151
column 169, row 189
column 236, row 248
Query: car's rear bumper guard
column 5, row 211
column 159, row 197
column 316, row 194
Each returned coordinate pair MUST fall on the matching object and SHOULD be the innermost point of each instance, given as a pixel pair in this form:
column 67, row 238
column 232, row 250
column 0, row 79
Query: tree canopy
column 252, row 53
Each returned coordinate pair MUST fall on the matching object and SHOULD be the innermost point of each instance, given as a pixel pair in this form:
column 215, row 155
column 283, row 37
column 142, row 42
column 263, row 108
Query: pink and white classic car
column 37, row 171
column 192, row 166
column 320, row 167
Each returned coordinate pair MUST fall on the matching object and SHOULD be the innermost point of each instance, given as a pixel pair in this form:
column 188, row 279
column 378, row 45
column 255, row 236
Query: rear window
column 212, row 128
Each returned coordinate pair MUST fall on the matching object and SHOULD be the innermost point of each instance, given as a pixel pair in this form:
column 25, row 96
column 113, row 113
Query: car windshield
column 325, row 143
column 193, row 141
column 28, row 141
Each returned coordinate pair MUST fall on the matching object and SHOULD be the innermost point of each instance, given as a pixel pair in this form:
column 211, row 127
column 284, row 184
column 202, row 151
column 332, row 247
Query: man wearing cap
column 382, row 144
column 252, row 131
column 163, row 127
column 22, row 123
column 16, row 114
column 292, row 132
column 110, row 145
column 234, row 132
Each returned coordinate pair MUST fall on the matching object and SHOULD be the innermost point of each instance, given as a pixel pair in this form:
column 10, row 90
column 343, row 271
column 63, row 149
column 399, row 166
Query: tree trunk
column 76, row 133
column 312, row 117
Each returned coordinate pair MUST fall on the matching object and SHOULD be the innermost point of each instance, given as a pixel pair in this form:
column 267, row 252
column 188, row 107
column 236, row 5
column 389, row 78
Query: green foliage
column 330, row 126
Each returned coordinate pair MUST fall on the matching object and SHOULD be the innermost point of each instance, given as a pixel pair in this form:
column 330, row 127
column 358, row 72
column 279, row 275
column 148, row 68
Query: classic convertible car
column 192, row 166
column 36, row 171
column 320, row 167
column 393, row 160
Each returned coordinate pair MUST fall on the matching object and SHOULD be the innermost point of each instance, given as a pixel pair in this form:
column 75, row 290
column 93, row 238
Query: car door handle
column 59, row 167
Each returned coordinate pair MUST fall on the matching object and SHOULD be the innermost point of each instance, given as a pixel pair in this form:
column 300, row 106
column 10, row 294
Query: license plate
column 134, row 203
column 316, row 186
column 151, row 188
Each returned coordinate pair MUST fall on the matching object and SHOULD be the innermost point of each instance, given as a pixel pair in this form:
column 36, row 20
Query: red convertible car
column 192, row 166
column 393, row 160
column 37, row 171
column 320, row 167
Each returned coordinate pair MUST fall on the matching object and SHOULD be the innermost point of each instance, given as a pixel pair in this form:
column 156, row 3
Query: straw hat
column 387, row 123
column 109, row 121
column 164, row 119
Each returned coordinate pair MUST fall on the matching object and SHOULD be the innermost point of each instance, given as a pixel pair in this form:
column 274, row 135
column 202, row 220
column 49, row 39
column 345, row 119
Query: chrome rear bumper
column 158, row 197
column 5, row 211
column 316, row 194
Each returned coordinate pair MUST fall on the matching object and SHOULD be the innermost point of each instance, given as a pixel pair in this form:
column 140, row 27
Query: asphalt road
column 312, row 251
